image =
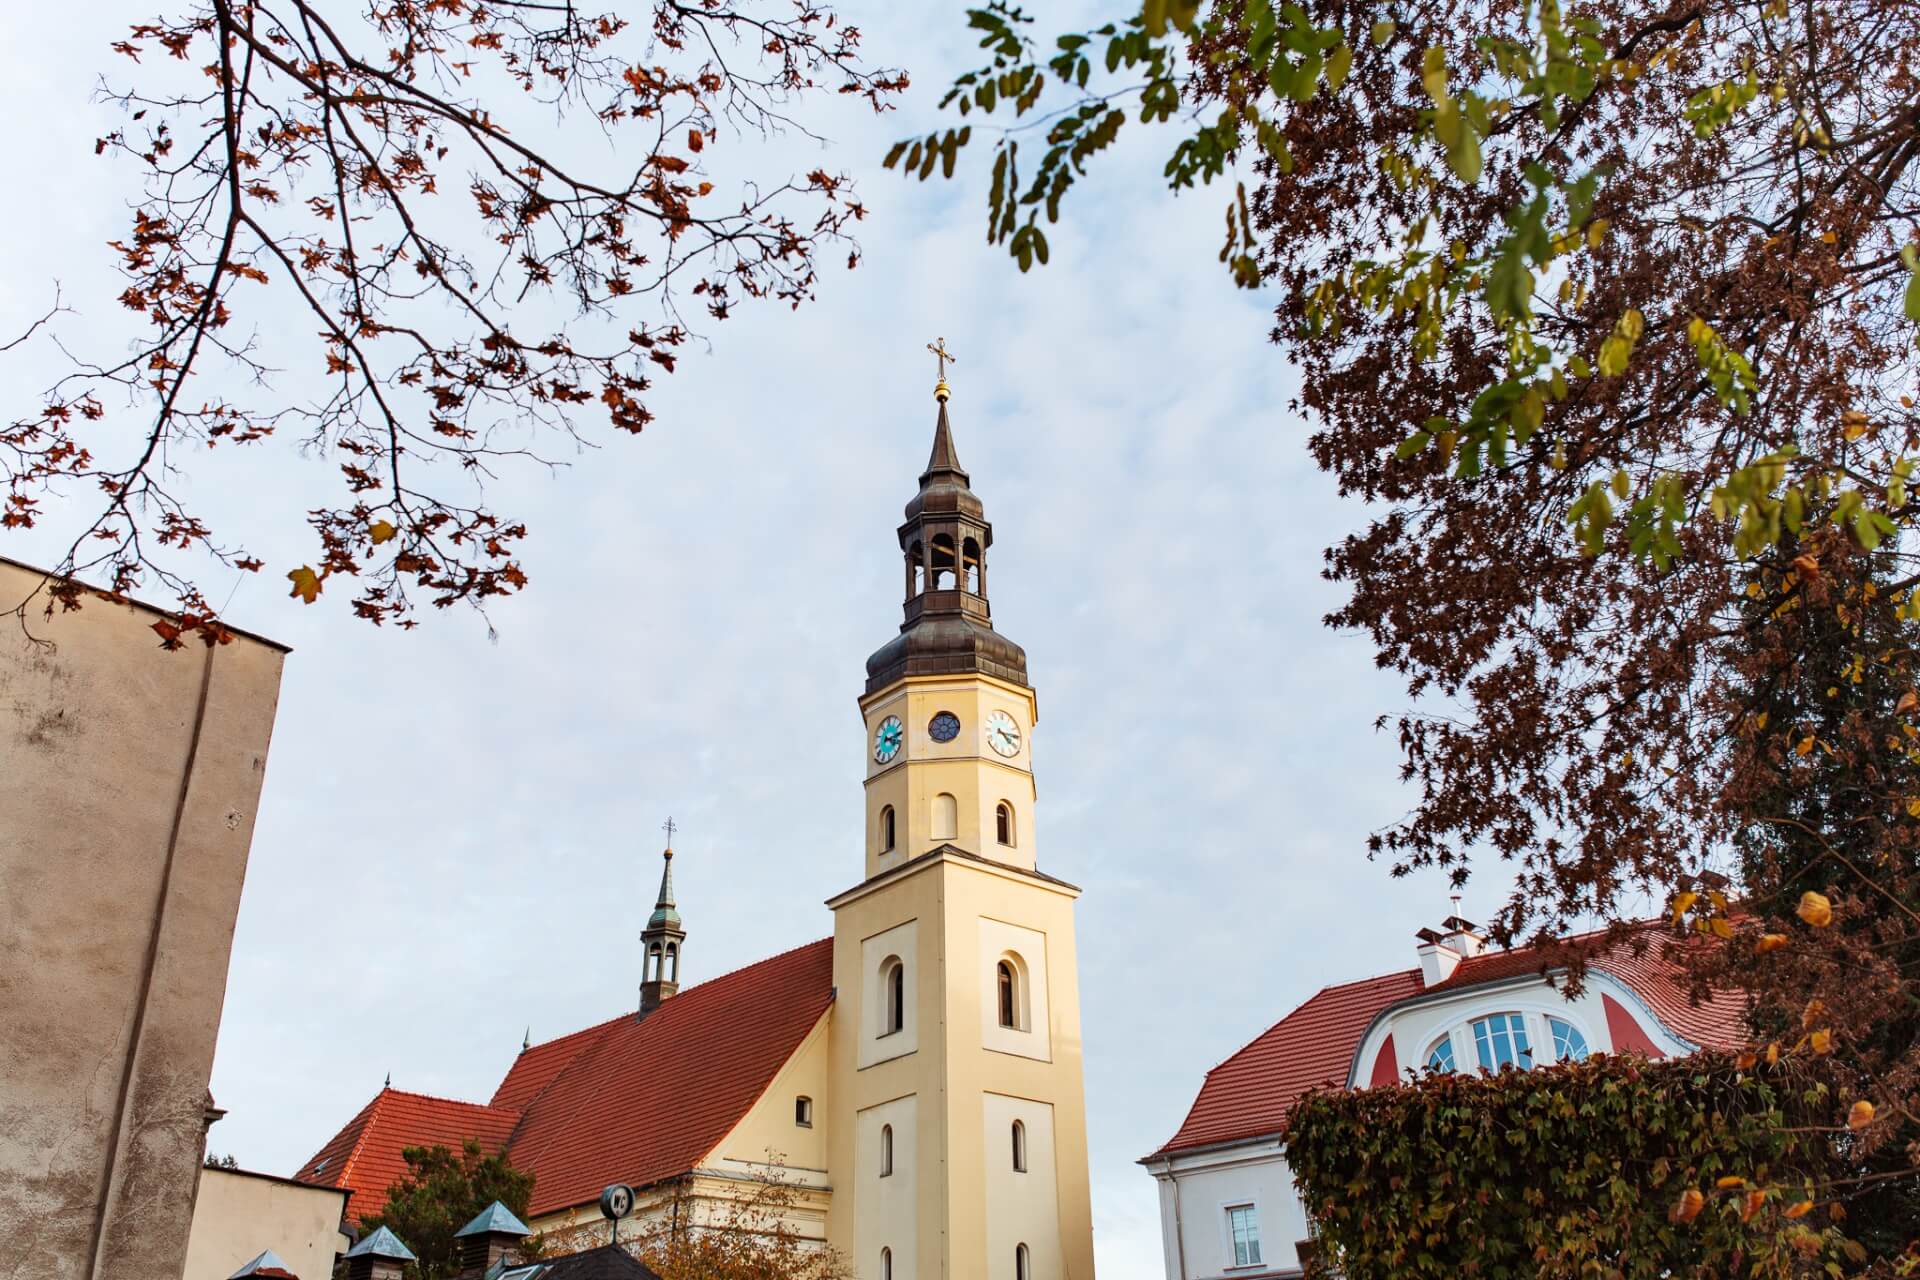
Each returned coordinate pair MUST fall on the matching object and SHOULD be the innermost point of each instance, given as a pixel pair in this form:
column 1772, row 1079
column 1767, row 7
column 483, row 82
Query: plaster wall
column 1418, row 1026
column 768, row 1139
column 239, row 1213
column 888, row 1202
column 966, row 768
column 1195, row 1193
column 129, row 777
column 1022, row 1205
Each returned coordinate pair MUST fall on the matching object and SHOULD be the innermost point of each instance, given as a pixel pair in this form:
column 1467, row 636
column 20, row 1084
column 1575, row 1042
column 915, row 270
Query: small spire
column 526, row 1040
column 389, row 1083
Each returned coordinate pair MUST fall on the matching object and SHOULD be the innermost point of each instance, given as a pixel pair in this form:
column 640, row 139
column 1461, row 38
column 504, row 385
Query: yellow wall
column 238, row 1214
column 966, row 768
column 965, row 912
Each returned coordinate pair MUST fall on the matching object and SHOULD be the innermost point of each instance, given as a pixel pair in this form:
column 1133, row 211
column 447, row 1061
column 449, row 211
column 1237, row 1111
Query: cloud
column 458, row 836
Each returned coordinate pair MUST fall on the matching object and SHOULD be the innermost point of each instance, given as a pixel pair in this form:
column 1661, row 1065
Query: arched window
column 916, row 569
column 1022, row 1263
column 893, row 996
column 1019, row 1147
column 1009, row 994
column 946, row 817
column 651, row 970
column 944, row 563
column 803, row 1111
column 1568, row 1044
column 886, row 1151
column 970, row 567
column 886, row 1264
column 673, row 962
column 1500, row 1040
column 1440, row 1057
column 886, row 828
column 1003, row 822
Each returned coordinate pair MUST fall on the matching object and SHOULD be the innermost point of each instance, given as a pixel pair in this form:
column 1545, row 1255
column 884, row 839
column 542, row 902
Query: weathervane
column 939, row 348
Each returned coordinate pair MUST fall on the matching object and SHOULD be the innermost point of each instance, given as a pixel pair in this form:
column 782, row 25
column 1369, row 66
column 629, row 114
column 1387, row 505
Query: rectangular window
column 1246, row 1235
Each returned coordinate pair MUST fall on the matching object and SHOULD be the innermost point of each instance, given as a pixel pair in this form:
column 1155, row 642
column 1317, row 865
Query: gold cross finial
column 939, row 348
column 669, row 826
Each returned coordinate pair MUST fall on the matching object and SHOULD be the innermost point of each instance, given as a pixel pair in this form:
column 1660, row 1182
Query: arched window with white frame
column 1440, row 1056
column 1568, row 1044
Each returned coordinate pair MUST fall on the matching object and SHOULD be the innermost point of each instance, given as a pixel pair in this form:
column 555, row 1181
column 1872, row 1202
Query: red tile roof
column 365, row 1156
column 632, row 1100
column 1248, row 1096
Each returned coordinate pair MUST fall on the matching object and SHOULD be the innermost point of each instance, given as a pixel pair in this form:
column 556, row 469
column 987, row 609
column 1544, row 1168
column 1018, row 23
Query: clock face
column 887, row 739
column 1003, row 735
column 945, row 727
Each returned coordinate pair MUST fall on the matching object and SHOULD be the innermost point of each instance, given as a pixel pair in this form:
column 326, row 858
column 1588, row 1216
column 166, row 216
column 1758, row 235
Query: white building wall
column 1196, row 1191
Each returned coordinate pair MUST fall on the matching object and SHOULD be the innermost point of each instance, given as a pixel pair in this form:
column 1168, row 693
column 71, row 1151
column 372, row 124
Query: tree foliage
column 398, row 201
column 442, row 1192
column 1608, row 312
column 1606, row 1167
column 752, row 1233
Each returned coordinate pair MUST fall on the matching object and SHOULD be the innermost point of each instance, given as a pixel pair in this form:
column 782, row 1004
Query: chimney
column 493, row 1234
column 380, row 1256
column 1442, row 950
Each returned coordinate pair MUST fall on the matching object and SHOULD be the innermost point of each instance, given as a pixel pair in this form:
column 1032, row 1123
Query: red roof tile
column 629, row 1100
column 1248, row 1096
column 649, row 1097
column 365, row 1156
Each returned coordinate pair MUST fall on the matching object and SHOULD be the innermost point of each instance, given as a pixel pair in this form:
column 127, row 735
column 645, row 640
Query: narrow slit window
column 1003, row 823
column 1019, row 1147
column 1009, row 1007
column 1022, row 1263
column 893, row 995
column 803, row 1112
column 886, row 828
column 886, row 1264
column 886, row 1151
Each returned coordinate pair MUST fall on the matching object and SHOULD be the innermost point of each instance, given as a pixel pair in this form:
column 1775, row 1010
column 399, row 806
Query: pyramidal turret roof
column 381, row 1244
column 495, row 1218
column 268, row 1264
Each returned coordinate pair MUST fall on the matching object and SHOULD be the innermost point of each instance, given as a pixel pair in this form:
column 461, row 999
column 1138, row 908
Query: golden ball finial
column 941, row 391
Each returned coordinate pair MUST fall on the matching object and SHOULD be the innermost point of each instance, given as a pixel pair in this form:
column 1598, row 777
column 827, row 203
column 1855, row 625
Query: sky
column 459, row 835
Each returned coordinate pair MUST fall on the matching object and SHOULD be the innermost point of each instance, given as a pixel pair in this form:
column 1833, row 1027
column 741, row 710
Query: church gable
column 650, row 1097
column 633, row 1099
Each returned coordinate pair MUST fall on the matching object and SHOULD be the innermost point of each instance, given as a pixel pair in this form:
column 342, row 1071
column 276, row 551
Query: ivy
column 1612, row 1167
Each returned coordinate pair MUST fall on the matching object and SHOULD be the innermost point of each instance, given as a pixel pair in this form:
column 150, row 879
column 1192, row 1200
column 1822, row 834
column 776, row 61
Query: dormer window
column 1500, row 1040
column 1568, row 1044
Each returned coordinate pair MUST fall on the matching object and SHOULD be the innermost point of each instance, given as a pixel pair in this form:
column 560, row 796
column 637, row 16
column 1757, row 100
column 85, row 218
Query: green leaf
column 1339, row 63
column 1382, row 32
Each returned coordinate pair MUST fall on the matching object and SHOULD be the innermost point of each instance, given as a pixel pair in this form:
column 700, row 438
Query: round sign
column 616, row 1201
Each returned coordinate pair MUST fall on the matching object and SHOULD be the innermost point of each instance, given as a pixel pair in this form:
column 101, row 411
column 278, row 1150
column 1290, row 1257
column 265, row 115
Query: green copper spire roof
column 382, row 1244
column 664, row 915
column 496, row 1217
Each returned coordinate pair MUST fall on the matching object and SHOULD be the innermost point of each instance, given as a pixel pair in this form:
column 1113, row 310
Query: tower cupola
column 948, row 624
column 661, row 940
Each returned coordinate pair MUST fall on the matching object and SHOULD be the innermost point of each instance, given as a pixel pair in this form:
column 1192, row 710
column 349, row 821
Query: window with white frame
column 1568, row 1044
column 1500, row 1040
column 1244, row 1228
column 1440, row 1057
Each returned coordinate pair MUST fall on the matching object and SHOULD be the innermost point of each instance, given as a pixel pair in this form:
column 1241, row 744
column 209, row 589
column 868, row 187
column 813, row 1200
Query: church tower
column 958, row 1130
column 661, row 941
